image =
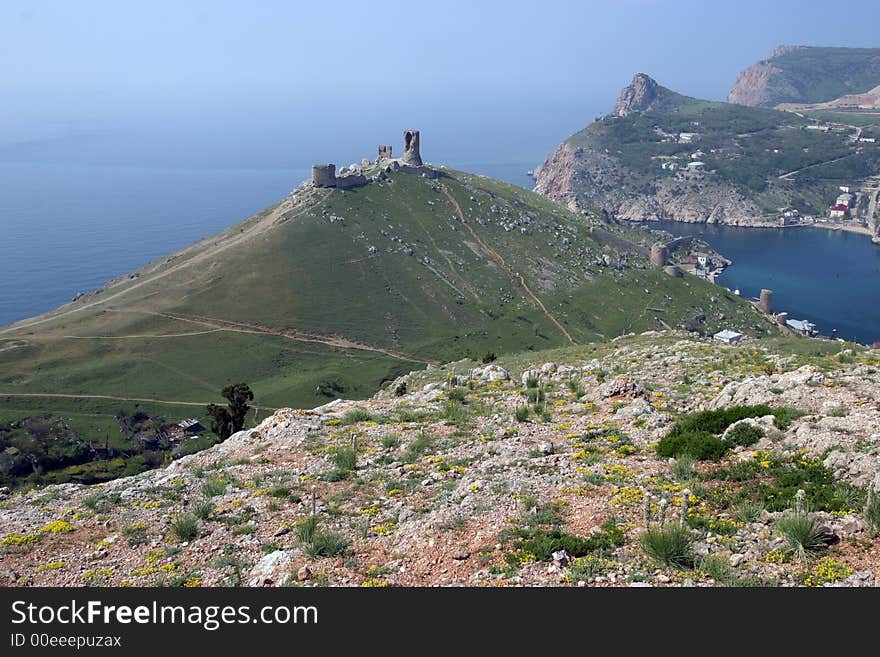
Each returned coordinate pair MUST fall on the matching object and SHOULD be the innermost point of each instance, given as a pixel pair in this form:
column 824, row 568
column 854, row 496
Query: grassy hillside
column 331, row 293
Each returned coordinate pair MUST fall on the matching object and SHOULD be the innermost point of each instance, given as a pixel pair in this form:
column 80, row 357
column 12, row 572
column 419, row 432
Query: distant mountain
column 334, row 291
column 661, row 155
column 807, row 74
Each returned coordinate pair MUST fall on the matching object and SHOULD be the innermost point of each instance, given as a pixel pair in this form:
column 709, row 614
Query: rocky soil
column 449, row 476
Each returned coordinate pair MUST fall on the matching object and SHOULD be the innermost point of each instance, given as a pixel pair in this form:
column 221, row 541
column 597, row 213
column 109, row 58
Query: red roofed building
column 839, row 211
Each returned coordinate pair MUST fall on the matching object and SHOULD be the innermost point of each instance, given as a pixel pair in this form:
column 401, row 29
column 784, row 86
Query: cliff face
column 802, row 74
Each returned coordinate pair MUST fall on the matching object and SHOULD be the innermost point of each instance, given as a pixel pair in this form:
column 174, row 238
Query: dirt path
column 114, row 398
column 212, row 251
column 291, row 334
column 786, row 176
column 504, row 266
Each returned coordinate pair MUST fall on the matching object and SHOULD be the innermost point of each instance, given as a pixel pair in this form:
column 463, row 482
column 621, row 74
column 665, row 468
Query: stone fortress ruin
column 358, row 175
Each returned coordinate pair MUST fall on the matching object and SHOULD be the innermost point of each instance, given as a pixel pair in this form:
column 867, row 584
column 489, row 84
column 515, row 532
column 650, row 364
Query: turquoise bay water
column 831, row 278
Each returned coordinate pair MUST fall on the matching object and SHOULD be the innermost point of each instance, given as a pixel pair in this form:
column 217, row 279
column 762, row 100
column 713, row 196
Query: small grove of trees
column 226, row 421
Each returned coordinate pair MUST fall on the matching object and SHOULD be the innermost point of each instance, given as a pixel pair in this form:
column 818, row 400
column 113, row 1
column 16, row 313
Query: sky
column 250, row 82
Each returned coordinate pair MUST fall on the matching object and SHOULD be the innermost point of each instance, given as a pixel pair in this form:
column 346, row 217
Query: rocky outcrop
column 638, row 96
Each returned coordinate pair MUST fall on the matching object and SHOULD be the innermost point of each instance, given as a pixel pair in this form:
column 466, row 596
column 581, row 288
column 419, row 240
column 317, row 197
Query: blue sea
column 831, row 278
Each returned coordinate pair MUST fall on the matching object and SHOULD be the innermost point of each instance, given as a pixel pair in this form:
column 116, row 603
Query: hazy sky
column 534, row 70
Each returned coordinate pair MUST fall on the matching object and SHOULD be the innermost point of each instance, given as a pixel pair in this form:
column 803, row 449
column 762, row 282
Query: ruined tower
column 324, row 175
column 659, row 255
column 384, row 153
column 411, row 153
column 766, row 302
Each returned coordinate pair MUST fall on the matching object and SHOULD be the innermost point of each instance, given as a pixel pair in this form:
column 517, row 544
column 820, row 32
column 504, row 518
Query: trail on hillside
column 291, row 334
column 258, row 228
column 114, row 398
column 504, row 266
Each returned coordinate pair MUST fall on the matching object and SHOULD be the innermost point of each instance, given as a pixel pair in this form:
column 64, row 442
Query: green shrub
column 745, row 434
column 702, row 446
column 345, row 459
column 417, row 448
column 391, row 441
column 521, row 413
column 748, row 510
column 669, row 545
column 542, row 543
column 488, row 357
column 531, row 382
column 279, row 491
column 185, row 527
column 698, row 434
column 717, row 567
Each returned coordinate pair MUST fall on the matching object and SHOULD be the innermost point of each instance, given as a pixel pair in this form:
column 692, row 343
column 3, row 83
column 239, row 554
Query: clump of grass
column 417, row 448
column 101, row 503
column 319, row 542
column 391, row 441
column 683, row 467
column 185, row 527
column 457, row 394
column 872, row 510
column 356, row 415
column 282, row 492
column 717, row 567
column 214, row 487
column 800, row 529
column 748, row 510
column 668, row 545
column 521, row 413
column 203, row 509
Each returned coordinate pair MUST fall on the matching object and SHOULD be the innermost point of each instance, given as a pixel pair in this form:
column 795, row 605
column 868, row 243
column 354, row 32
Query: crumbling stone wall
column 384, row 153
column 659, row 255
column 766, row 302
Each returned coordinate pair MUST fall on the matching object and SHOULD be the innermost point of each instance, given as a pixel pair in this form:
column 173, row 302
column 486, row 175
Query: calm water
column 70, row 226
column 831, row 278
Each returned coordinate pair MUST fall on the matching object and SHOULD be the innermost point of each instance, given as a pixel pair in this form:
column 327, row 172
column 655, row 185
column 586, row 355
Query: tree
column 238, row 394
column 221, row 421
column 227, row 421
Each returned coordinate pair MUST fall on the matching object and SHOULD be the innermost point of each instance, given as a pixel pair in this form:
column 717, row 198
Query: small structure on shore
column 659, row 255
column 802, row 326
column 728, row 337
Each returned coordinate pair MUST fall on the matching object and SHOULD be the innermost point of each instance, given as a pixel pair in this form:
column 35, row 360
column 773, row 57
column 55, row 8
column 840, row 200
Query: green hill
column 807, row 74
column 332, row 292
column 662, row 155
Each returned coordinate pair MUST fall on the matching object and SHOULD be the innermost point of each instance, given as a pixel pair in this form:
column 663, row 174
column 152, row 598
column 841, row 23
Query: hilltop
column 807, row 74
column 539, row 469
column 662, row 155
column 349, row 282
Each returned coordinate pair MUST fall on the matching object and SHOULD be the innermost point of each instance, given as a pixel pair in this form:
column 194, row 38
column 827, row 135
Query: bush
column 488, row 357
column 745, row 434
column 214, row 487
column 683, row 468
column 345, row 459
column 669, row 545
column 457, row 394
column 872, row 511
column 698, row 434
column 701, row 445
column 185, row 527
column 542, row 543
column 521, row 413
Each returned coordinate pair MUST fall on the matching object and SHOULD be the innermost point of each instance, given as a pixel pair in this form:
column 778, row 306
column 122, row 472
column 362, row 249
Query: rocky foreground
column 520, row 472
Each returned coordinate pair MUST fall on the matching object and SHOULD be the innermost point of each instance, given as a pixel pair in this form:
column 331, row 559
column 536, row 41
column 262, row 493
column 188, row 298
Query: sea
column 829, row 277
column 78, row 211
